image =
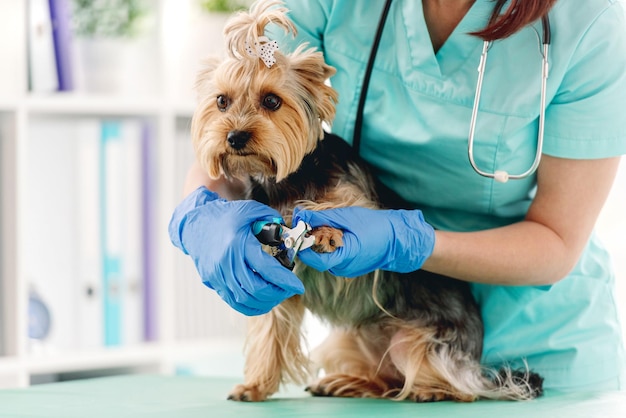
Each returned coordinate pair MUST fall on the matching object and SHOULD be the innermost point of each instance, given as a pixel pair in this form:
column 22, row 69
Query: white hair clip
column 263, row 49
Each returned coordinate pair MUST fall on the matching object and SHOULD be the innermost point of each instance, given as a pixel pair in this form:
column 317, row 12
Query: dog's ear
column 205, row 75
column 313, row 74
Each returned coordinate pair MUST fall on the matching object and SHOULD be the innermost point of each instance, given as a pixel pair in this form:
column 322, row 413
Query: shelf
column 184, row 109
column 9, row 364
column 145, row 355
column 85, row 105
column 11, row 373
column 79, row 104
column 151, row 357
column 7, row 106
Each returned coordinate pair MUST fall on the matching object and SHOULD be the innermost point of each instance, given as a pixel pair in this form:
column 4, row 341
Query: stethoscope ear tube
column 503, row 176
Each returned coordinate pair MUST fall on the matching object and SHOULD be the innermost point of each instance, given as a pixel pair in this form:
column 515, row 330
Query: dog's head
column 260, row 111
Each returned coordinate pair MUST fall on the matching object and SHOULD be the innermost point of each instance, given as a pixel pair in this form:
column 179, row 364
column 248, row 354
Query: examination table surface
column 143, row 396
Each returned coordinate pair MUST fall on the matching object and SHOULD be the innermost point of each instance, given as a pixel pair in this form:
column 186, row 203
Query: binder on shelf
column 110, row 235
column 122, row 245
column 50, row 229
column 61, row 20
column 133, row 244
column 89, row 292
column 148, row 262
column 42, row 73
column 187, row 291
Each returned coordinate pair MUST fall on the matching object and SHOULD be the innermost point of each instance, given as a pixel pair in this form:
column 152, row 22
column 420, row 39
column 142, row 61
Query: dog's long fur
column 411, row 336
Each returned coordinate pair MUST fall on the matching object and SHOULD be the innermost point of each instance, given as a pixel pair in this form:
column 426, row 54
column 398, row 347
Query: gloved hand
column 393, row 240
column 217, row 234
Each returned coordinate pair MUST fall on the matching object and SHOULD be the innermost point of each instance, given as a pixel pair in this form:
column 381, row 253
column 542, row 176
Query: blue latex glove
column 393, row 240
column 217, row 234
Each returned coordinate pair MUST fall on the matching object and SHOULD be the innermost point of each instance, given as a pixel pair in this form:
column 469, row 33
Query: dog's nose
column 238, row 139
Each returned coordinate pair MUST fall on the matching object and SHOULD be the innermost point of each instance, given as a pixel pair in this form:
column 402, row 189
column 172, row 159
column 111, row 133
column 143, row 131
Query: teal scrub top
column 416, row 123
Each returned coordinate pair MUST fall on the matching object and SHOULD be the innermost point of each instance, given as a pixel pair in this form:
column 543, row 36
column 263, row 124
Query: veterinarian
column 541, row 277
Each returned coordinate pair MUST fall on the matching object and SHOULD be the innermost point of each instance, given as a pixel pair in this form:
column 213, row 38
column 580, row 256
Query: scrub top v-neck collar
column 455, row 50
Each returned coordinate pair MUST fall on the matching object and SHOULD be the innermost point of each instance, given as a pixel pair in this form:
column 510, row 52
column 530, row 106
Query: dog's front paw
column 327, row 239
column 247, row 393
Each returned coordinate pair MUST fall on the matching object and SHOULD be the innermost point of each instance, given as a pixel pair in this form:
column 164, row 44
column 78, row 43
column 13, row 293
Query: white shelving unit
column 191, row 322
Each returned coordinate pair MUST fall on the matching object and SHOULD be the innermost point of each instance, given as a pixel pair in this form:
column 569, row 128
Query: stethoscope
column 501, row 176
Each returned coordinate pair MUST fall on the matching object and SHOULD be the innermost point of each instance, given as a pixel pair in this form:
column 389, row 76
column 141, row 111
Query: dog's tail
column 246, row 27
column 472, row 381
column 509, row 384
column 433, row 370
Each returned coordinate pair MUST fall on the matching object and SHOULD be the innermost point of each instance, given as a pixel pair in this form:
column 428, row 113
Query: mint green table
column 142, row 396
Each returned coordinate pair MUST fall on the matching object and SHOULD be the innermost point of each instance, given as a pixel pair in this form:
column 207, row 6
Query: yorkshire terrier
column 415, row 336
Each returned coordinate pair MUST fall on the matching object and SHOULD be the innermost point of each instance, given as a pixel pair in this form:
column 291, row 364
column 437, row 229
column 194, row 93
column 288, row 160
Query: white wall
column 612, row 229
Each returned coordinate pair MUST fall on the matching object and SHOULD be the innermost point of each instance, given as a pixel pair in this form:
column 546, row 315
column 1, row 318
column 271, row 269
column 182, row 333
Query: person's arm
column 539, row 250
column 227, row 189
column 544, row 247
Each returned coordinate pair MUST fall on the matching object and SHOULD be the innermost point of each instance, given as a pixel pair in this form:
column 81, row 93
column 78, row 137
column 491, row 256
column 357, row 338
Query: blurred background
column 96, row 100
column 95, row 105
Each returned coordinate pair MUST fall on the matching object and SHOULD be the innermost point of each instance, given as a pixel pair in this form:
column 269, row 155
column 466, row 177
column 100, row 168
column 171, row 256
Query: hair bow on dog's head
column 263, row 49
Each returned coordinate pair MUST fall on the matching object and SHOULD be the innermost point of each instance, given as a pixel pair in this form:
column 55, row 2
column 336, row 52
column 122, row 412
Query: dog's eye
column 271, row 102
column 222, row 102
